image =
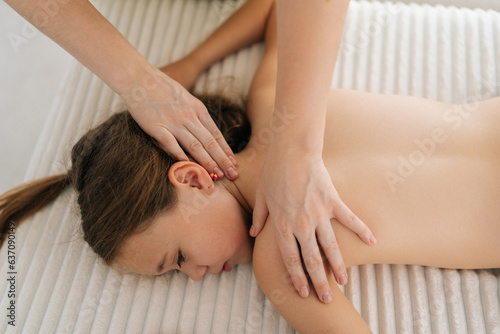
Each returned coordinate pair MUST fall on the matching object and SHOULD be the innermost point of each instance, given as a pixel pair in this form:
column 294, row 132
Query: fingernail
column 372, row 240
column 218, row 172
column 232, row 173
column 252, row 230
column 304, row 292
column 343, row 279
column 233, row 160
column 327, row 297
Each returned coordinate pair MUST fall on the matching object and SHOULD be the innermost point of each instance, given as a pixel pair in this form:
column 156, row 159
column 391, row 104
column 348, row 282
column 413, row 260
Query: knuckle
column 208, row 163
column 322, row 286
column 226, row 163
column 313, row 263
column 217, row 134
column 211, row 143
column 351, row 220
column 188, row 116
column 257, row 218
column 165, row 139
column 199, row 107
column 331, row 246
column 339, row 270
column 282, row 227
column 195, row 145
column 292, row 261
column 257, row 222
column 169, row 142
column 304, row 228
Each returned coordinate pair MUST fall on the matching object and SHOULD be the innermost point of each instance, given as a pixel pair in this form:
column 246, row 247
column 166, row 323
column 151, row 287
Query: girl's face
column 205, row 232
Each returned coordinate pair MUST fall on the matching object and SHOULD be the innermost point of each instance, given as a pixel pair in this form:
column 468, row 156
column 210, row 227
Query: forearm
column 309, row 36
column 244, row 27
column 82, row 31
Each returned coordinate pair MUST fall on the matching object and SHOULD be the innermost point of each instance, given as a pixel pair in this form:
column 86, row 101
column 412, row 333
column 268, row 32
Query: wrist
column 305, row 144
column 296, row 136
column 131, row 77
column 151, row 86
column 198, row 60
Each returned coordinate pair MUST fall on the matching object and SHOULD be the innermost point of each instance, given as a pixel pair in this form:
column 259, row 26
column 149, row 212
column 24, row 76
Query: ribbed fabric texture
column 442, row 53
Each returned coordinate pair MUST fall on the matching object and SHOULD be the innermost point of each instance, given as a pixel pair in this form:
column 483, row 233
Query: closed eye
column 180, row 259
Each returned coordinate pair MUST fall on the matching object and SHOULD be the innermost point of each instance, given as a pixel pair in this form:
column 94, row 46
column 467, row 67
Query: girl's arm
column 244, row 27
column 306, row 315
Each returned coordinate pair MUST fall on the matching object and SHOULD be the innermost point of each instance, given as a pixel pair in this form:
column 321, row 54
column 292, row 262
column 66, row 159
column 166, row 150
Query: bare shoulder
column 306, row 315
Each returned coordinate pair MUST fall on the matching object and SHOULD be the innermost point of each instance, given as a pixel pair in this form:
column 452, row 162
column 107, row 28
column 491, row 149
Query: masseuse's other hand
column 296, row 194
column 177, row 120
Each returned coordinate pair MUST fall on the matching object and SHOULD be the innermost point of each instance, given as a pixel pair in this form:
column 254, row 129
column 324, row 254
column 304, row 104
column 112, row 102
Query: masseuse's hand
column 179, row 121
column 296, row 194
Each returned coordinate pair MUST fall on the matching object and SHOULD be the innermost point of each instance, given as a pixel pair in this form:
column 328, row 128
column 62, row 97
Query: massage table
column 443, row 53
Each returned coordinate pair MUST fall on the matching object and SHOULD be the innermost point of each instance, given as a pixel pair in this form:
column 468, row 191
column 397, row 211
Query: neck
column 250, row 162
column 233, row 189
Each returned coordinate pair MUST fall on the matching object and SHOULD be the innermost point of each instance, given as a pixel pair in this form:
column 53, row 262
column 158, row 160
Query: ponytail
column 25, row 200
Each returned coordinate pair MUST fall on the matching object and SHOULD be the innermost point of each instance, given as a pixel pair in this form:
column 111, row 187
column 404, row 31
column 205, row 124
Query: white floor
column 31, row 70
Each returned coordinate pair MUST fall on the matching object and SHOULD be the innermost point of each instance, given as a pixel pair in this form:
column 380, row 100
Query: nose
column 197, row 273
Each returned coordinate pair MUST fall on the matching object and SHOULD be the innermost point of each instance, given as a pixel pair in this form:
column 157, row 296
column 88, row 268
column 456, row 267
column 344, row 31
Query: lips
column 225, row 267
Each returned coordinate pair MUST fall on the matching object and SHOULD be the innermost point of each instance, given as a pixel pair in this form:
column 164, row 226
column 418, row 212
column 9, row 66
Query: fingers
column 206, row 144
column 169, row 144
column 217, row 147
column 347, row 218
column 260, row 213
column 293, row 263
column 331, row 249
column 313, row 263
column 205, row 149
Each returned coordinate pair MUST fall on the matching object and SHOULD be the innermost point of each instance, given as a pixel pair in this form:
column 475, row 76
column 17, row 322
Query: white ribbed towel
column 442, row 53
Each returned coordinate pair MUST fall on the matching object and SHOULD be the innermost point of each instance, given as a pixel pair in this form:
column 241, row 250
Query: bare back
column 423, row 175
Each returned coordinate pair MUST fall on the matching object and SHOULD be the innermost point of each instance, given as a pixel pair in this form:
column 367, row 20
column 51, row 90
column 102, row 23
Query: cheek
column 238, row 239
column 228, row 231
column 226, row 239
column 237, row 223
column 224, row 232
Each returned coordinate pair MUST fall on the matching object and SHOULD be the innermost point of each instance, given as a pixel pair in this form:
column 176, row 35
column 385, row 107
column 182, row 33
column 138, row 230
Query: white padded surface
column 442, row 53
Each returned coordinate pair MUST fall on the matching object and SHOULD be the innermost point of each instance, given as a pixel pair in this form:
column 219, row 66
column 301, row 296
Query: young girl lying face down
column 423, row 175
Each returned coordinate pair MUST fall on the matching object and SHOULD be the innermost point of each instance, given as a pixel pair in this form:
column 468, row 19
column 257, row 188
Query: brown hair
column 121, row 176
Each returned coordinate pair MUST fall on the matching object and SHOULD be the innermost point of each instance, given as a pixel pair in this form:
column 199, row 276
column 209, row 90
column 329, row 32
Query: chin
column 247, row 256
column 246, row 260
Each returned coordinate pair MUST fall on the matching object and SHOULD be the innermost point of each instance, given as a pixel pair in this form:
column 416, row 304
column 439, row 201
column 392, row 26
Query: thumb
column 260, row 213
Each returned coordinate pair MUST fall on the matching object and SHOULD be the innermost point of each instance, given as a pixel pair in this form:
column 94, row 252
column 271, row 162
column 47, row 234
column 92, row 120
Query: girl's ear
column 187, row 174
